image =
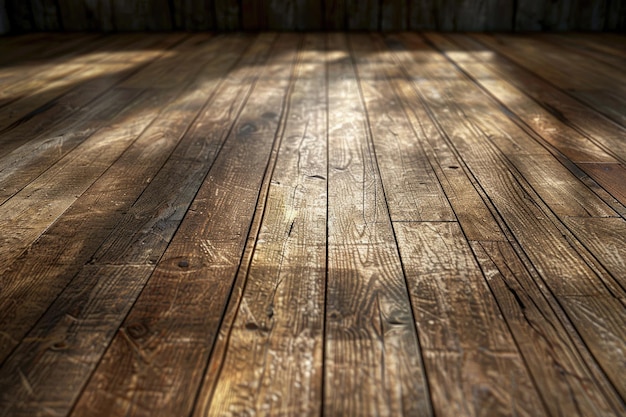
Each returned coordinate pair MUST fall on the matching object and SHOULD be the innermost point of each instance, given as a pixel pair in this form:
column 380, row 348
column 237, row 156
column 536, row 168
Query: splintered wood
column 305, row 224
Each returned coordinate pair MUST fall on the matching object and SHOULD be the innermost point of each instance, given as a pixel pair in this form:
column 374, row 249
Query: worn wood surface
column 386, row 15
column 311, row 224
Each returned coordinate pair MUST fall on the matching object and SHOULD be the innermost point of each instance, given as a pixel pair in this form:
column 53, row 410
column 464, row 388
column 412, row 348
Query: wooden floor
column 304, row 224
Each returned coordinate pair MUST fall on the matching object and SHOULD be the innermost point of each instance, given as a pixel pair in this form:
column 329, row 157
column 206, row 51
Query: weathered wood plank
column 568, row 381
column 606, row 239
column 96, row 317
column 530, row 222
column 556, row 185
column 372, row 362
column 467, row 345
column 475, row 218
column 610, row 176
column 412, row 190
column 277, row 338
column 599, row 87
column 197, row 270
column 535, row 15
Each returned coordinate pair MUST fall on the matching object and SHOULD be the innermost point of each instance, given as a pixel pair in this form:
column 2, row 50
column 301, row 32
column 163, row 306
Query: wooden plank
column 42, row 99
column 601, row 53
column 609, row 176
column 96, row 314
column 139, row 15
column 422, row 14
column 556, row 185
column 564, row 372
column 605, row 238
column 562, row 138
column 193, row 14
column 134, row 233
column 37, row 154
column 562, row 106
column 393, row 15
column 469, row 207
column 372, row 362
column 277, row 338
column 532, row 225
column 57, row 116
column 467, row 345
column 227, row 15
column 412, row 190
column 555, row 121
column 197, row 270
column 362, row 14
column 45, row 15
column 599, row 87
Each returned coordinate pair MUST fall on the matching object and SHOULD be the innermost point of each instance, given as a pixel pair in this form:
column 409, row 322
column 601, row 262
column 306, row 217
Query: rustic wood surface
column 362, row 224
column 387, row 15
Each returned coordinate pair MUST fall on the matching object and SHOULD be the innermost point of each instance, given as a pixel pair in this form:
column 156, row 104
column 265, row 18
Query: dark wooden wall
column 447, row 15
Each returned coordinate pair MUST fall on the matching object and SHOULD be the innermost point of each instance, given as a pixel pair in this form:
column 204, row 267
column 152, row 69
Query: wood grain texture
column 266, row 224
column 599, row 87
column 606, row 239
column 372, row 362
column 277, row 339
column 227, row 14
column 113, row 273
column 412, row 189
column 559, row 368
column 563, row 107
column 362, row 14
column 198, row 266
column 515, row 205
column 471, row 360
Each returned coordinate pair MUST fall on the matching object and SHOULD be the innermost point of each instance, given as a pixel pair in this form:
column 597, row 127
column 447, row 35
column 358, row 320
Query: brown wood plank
column 567, row 377
column 126, row 230
column 372, row 362
column 277, row 338
column 585, row 45
column 254, row 14
column 610, row 176
column 534, row 15
column 533, row 227
column 42, row 99
column 34, row 145
column 557, row 186
column 93, row 328
column 45, row 15
column 412, row 190
column 599, row 87
column 334, row 14
column 197, row 270
column 606, row 239
column 467, row 345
